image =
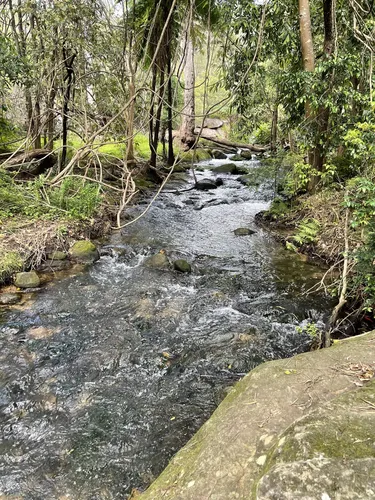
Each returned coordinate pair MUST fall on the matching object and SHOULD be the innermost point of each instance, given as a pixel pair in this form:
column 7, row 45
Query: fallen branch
column 224, row 142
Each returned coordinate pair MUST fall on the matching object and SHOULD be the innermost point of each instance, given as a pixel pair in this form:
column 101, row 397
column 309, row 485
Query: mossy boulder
column 227, row 168
column 27, row 280
column 157, row 261
column 298, row 428
column 85, row 252
column 182, row 265
column 57, row 255
column 218, row 154
column 246, row 154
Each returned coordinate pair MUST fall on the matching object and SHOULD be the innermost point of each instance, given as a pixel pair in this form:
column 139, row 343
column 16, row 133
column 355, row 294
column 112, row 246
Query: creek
column 105, row 374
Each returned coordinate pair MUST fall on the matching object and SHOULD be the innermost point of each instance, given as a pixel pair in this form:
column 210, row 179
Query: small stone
column 57, row 255
column 157, row 261
column 7, row 299
column 85, row 252
column 243, row 231
column 27, row 280
column 182, row 265
column 246, row 154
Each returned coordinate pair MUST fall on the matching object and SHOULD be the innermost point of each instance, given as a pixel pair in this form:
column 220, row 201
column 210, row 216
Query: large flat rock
column 280, row 428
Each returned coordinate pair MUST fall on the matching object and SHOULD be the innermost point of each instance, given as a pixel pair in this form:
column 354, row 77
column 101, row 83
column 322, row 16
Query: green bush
column 262, row 135
column 78, row 198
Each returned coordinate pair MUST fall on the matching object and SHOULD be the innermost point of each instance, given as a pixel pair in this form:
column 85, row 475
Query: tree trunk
column 69, row 79
column 275, row 116
column 322, row 117
column 307, row 45
column 130, row 123
column 152, row 110
column 170, row 159
column 157, row 121
column 188, row 117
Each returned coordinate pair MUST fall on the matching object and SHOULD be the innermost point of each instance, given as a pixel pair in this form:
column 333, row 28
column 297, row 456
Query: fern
column 308, row 230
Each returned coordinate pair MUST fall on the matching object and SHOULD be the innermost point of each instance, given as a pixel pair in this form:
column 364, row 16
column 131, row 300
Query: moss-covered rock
column 246, row 154
column 85, row 252
column 57, row 255
column 300, row 428
column 182, row 265
column 157, row 261
column 27, row 280
column 236, row 158
column 227, row 168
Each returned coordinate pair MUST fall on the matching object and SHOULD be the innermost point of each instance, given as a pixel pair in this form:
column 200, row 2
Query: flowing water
column 107, row 373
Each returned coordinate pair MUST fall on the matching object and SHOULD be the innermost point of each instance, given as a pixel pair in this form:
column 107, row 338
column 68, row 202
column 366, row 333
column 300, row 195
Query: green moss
column 117, row 150
column 199, row 155
column 10, row 263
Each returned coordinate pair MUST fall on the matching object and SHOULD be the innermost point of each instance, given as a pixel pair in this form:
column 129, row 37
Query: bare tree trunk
column 170, row 159
column 275, row 116
column 152, row 110
column 322, row 117
column 69, row 79
column 188, row 117
column 159, row 108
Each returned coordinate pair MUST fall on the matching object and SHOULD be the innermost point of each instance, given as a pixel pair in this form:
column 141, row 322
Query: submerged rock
column 27, row 280
column 182, row 265
column 85, row 252
column 157, row 261
column 205, row 185
column 7, row 299
column 243, row 231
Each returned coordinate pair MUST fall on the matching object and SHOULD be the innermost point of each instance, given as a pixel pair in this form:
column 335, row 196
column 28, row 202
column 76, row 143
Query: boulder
column 293, row 429
column 182, row 265
column 243, row 231
column 212, row 123
column 219, row 181
column 227, row 168
column 7, row 299
column 218, row 154
column 157, row 261
column 27, row 280
column 57, row 255
column 246, row 154
column 205, row 185
column 84, row 251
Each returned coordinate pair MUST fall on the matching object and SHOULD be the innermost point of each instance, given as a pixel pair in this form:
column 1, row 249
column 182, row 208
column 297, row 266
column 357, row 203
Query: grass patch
column 10, row 263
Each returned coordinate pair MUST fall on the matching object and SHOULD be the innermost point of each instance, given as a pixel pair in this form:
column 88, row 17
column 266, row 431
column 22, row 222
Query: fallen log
column 224, row 142
column 30, row 163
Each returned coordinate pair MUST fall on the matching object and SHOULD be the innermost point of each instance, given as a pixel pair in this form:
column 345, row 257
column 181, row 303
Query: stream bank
column 105, row 374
